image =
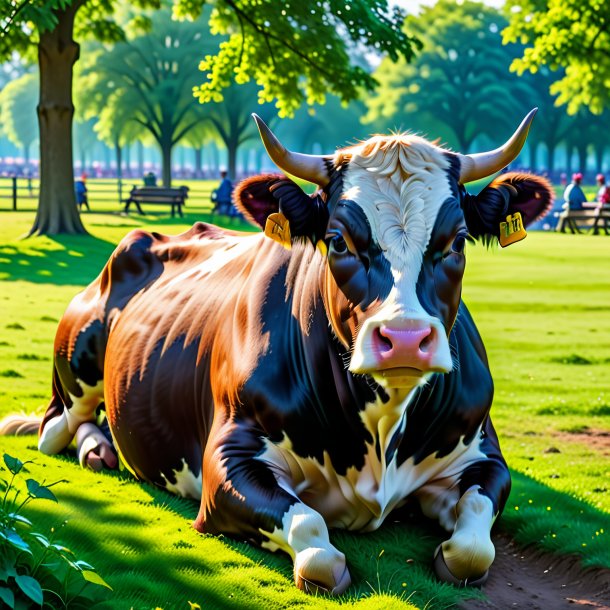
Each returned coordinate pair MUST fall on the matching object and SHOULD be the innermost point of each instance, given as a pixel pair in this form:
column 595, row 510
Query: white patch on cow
column 400, row 183
column 362, row 498
column 470, row 552
column 187, row 484
column 58, row 432
column 304, row 536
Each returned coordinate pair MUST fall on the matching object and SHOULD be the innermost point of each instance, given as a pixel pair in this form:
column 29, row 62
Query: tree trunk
column 166, row 155
column 599, row 157
column 582, row 157
column 127, row 162
column 198, row 162
column 551, row 147
column 232, row 159
column 140, row 158
column 119, row 173
column 57, row 54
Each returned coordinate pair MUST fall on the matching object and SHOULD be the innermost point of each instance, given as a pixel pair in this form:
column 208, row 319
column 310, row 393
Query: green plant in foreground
column 33, row 568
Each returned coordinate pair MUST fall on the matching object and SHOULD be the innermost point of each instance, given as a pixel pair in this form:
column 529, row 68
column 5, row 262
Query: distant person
column 574, row 196
column 222, row 196
column 80, row 188
column 150, row 179
column 603, row 192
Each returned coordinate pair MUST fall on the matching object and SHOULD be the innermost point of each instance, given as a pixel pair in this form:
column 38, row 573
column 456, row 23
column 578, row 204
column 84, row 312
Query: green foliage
column 459, row 85
column 573, row 34
column 297, row 51
column 34, row 568
column 18, row 110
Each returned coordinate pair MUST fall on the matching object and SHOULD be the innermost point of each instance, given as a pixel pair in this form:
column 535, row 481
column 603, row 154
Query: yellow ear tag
column 277, row 228
column 321, row 245
column 512, row 230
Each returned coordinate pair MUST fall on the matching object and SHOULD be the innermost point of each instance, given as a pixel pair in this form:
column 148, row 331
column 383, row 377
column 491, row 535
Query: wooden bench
column 577, row 220
column 157, row 195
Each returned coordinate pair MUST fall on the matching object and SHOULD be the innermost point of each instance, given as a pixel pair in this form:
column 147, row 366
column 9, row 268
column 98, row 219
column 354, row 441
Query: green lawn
column 543, row 309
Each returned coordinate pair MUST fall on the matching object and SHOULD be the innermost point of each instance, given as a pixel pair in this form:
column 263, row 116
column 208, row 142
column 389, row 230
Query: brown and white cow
column 293, row 390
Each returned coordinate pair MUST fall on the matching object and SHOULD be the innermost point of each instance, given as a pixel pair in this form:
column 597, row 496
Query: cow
column 312, row 376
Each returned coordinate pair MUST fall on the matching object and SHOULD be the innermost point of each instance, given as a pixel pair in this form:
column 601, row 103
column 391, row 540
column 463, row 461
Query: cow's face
column 393, row 222
column 395, row 244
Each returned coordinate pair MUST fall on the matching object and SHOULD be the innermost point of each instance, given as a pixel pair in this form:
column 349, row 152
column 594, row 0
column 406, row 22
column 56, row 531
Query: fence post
column 14, row 178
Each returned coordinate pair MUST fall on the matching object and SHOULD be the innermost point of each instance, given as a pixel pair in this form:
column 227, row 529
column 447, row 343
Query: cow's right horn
column 482, row 165
column 312, row 168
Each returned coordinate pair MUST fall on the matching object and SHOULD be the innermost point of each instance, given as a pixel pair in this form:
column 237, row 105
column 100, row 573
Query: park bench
column 157, row 195
column 577, row 220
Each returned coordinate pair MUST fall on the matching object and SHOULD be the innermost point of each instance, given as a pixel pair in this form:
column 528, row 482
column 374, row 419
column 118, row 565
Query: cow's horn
column 481, row 165
column 308, row 167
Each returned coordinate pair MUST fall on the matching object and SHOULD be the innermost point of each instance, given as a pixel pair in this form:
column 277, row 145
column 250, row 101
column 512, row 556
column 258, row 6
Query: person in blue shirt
column 80, row 189
column 222, row 195
column 574, row 196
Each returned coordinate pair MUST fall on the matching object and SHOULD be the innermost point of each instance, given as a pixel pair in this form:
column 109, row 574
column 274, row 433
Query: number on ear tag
column 277, row 228
column 512, row 230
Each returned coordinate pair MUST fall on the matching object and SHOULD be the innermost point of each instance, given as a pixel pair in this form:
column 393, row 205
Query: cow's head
column 393, row 219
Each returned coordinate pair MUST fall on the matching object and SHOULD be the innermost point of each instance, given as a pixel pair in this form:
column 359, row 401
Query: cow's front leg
column 241, row 497
column 467, row 506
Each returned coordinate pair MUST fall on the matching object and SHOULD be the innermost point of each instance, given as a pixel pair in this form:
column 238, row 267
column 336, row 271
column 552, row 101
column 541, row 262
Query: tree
column 293, row 52
column 18, row 112
column 232, row 122
column 570, row 34
column 49, row 28
column 148, row 81
column 460, row 81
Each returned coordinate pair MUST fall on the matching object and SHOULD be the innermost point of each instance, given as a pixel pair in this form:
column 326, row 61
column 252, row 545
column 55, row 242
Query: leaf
column 19, row 518
column 37, row 490
column 31, row 587
column 41, row 538
column 62, row 550
column 83, row 565
column 13, row 464
column 7, row 596
column 95, row 578
column 17, row 541
column 7, row 566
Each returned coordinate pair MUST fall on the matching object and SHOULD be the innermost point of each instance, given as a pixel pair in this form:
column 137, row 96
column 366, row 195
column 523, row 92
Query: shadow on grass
column 61, row 260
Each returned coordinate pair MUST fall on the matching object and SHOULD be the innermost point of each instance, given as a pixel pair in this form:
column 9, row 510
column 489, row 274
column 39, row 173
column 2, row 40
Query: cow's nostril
column 426, row 343
column 384, row 343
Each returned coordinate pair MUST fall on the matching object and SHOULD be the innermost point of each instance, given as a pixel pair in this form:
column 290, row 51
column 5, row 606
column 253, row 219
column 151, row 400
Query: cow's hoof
column 319, row 570
column 94, row 449
column 445, row 574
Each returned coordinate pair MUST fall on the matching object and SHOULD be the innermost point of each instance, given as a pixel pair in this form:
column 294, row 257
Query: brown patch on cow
column 532, row 580
column 599, row 440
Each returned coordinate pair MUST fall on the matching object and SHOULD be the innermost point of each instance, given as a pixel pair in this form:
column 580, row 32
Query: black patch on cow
column 453, row 405
column 302, row 389
column 360, row 269
column 87, row 362
column 453, row 173
column 66, row 376
column 439, row 282
column 161, row 425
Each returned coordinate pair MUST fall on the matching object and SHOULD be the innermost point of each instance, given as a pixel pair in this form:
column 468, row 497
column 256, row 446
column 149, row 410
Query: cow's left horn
column 308, row 167
column 481, row 165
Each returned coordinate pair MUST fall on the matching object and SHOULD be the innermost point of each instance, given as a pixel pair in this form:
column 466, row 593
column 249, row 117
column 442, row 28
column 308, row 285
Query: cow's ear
column 260, row 196
column 530, row 195
column 253, row 198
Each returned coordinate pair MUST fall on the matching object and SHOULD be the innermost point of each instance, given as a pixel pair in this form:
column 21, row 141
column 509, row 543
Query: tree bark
column 140, row 158
column 119, row 172
column 198, row 162
column 57, row 54
column 232, row 159
column 166, row 169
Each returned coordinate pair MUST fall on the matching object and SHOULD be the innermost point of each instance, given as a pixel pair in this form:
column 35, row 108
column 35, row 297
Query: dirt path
column 529, row 580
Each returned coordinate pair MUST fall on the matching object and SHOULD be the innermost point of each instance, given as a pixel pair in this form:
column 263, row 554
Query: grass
column 542, row 308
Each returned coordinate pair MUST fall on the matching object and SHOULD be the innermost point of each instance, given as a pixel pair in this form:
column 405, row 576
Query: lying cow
column 292, row 389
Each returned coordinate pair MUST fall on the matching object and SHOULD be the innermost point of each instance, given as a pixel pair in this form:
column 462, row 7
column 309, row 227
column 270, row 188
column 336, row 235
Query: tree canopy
column 457, row 86
column 18, row 111
column 574, row 34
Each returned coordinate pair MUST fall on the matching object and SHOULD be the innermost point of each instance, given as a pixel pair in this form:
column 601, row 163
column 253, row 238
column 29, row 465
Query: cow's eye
column 338, row 243
column 458, row 244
